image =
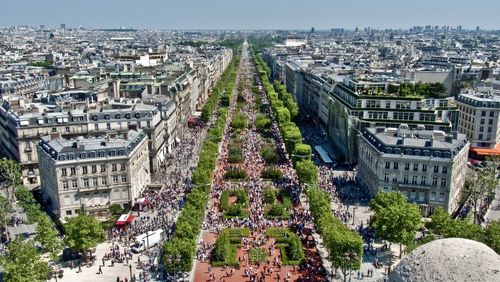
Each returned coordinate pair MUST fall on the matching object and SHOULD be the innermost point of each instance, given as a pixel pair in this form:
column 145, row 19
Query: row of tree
column 345, row 247
column 286, row 111
column 178, row 253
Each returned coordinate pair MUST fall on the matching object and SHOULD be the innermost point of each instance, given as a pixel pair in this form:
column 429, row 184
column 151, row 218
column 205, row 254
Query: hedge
column 226, row 246
column 188, row 224
column 289, row 244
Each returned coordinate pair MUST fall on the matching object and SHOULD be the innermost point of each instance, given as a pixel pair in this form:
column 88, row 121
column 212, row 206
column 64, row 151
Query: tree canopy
column 23, row 263
column 83, row 233
column 395, row 219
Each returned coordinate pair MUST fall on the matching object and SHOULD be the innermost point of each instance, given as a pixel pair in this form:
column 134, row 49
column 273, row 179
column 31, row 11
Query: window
column 73, row 170
column 108, row 126
column 394, row 179
column 481, row 128
column 94, row 182
column 103, row 168
column 482, row 121
column 483, row 113
column 436, row 169
column 423, row 180
column 122, row 166
column 387, row 165
column 424, row 167
column 64, row 172
column 443, row 182
column 68, row 212
column 84, row 169
column 115, row 179
column 386, row 177
column 113, row 167
column 434, row 181
column 415, row 167
column 96, row 126
column 124, row 178
column 104, row 181
column 86, row 183
column 490, row 121
column 433, row 196
column 414, row 180
column 405, row 179
column 54, row 129
column 489, row 129
column 492, row 114
column 65, row 185
column 480, row 136
column 74, row 184
column 28, row 156
column 395, row 165
column 67, row 129
column 413, row 194
column 94, row 169
column 407, row 166
column 445, row 169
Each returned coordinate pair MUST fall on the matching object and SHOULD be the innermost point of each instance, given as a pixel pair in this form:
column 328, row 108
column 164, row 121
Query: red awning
column 125, row 218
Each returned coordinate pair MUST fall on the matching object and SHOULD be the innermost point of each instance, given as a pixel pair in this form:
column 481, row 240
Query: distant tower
column 477, row 28
column 459, row 28
column 312, row 29
column 63, row 26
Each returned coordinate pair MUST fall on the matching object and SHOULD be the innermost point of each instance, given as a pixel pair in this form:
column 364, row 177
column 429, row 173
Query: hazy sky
column 251, row 14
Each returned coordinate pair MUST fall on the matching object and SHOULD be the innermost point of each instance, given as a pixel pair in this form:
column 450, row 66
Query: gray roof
column 415, row 142
column 84, row 148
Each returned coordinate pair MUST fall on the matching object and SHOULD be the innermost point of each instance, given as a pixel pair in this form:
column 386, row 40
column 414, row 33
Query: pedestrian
column 79, row 268
column 100, row 270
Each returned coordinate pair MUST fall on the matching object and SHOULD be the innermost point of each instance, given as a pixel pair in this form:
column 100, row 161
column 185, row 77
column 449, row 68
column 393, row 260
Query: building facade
column 428, row 167
column 21, row 129
column 91, row 174
column 479, row 120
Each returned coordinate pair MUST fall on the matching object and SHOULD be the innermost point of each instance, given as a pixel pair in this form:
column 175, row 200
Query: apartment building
column 479, row 121
column 22, row 127
column 427, row 166
column 91, row 174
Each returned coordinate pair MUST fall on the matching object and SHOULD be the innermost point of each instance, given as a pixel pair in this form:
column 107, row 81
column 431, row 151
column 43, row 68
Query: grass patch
column 258, row 255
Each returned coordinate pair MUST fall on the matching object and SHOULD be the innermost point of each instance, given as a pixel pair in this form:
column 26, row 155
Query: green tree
column 481, row 184
column 23, row 263
column 10, row 177
column 5, row 211
column 178, row 254
column 492, row 236
column 306, row 172
column 395, row 220
column 83, row 233
column 47, row 236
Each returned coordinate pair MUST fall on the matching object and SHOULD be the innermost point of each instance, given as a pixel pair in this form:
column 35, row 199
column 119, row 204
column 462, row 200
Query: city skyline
column 223, row 14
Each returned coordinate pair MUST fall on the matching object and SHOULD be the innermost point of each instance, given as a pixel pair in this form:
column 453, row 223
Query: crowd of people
column 300, row 219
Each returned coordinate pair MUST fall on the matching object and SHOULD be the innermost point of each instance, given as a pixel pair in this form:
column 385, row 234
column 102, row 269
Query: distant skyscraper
column 312, row 29
column 477, row 28
column 459, row 28
column 63, row 26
